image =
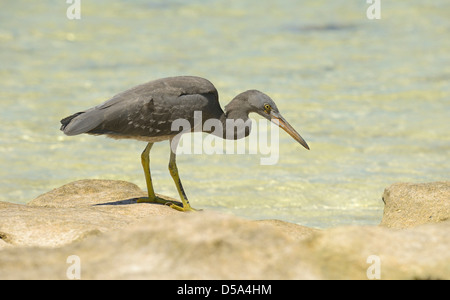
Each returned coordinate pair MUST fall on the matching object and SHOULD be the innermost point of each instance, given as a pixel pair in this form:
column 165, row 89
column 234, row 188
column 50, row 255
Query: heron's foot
column 184, row 208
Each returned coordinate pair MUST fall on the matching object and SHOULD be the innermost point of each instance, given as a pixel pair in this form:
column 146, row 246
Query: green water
column 371, row 98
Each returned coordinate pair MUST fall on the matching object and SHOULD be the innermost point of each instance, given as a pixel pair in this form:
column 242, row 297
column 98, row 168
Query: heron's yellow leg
column 176, row 178
column 152, row 198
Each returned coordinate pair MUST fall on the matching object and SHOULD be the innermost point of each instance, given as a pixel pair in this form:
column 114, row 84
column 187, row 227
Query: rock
column 212, row 246
column 411, row 204
column 421, row 252
column 203, row 245
column 53, row 227
column 116, row 238
column 90, row 192
column 293, row 230
column 75, row 211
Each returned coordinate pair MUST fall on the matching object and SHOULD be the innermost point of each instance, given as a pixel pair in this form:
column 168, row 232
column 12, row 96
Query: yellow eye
column 267, row 108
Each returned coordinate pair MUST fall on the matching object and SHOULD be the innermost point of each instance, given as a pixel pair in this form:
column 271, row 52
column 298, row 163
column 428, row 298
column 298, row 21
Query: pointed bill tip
column 281, row 122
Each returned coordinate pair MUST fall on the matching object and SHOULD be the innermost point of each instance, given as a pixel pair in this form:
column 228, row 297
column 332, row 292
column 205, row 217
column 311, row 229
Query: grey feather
column 147, row 110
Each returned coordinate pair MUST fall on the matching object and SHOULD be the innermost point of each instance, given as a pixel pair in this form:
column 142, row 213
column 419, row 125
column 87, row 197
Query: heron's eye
column 267, row 108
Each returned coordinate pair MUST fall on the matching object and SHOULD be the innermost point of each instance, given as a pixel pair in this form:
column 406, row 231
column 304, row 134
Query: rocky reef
column 112, row 237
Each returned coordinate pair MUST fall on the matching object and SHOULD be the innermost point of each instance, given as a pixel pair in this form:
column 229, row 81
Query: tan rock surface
column 120, row 239
column 412, row 204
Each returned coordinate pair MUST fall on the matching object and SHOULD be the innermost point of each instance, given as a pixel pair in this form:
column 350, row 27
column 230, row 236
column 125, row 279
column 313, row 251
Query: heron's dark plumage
column 148, row 110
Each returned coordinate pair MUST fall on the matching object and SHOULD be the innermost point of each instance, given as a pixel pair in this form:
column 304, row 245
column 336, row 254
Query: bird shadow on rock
column 135, row 201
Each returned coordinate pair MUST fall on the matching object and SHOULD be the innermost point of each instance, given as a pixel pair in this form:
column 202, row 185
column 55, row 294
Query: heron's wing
column 148, row 109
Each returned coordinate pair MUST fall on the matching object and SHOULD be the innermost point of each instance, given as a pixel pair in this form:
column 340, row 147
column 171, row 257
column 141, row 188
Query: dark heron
column 146, row 113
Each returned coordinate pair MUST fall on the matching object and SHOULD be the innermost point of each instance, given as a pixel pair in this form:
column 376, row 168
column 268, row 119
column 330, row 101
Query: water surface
column 371, row 98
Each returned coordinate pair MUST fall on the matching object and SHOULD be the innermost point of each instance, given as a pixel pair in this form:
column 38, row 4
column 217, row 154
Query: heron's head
column 263, row 105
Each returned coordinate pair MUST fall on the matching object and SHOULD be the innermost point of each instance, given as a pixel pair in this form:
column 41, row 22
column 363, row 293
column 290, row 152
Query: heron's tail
column 81, row 122
column 66, row 121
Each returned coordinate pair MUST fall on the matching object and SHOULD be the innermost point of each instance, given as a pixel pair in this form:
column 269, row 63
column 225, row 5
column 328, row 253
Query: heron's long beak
column 278, row 119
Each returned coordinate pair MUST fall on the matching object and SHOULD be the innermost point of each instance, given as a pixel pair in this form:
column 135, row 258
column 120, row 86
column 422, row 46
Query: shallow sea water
column 371, row 98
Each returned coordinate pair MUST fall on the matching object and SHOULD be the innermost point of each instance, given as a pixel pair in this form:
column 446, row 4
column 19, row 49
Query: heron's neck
column 238, row 108
column 235, row 121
